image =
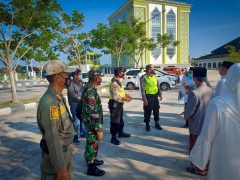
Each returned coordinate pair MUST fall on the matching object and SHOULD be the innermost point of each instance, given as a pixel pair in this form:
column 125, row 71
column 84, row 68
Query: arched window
column 156, row 29
column 200, row 64
column 214, row 65
column 209, row 65
column 219, row 64
column 171, row 31
column 204, row 65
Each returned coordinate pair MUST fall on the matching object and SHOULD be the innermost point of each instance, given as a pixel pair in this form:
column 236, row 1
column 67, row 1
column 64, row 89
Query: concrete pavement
column 145, row 155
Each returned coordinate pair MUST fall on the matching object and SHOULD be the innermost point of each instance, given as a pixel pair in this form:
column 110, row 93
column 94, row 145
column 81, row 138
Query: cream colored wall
column 151, row 8
column 173, row 60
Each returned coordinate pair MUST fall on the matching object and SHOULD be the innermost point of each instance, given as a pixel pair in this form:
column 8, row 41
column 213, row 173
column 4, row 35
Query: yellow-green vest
column 151, row 86
column 121, row 93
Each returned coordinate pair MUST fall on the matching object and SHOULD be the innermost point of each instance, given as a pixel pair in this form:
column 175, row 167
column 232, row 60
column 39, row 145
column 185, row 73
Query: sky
column 212, row 22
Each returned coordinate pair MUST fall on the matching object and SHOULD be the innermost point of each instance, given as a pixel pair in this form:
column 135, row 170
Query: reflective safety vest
column 121, row 93
column 151, row 86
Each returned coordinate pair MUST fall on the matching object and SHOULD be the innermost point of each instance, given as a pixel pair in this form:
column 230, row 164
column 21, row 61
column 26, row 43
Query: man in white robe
column 221, row 87
column 218, row 141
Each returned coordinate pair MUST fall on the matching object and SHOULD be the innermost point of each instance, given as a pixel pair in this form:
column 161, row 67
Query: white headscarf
column 233, row 81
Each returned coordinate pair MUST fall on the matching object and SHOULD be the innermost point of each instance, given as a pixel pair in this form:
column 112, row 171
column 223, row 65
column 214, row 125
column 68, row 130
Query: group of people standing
column 213, row 122
column 60, row 127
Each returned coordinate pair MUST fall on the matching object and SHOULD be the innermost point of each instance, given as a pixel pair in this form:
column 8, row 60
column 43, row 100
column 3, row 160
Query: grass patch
column 26, row 101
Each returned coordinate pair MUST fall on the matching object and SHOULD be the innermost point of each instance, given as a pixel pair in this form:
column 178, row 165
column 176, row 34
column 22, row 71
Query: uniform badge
column 62, row 109
column 54, row 113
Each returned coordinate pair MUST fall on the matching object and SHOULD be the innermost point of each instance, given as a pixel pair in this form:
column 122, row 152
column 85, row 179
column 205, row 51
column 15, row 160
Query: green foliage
column 69, row 40
column 111, row 39
column 26, row 25
column 233, row 54
column 19, row 69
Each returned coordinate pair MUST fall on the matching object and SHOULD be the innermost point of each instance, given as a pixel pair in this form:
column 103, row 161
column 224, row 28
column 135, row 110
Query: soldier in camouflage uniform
column 55, row 124
column 93, row 118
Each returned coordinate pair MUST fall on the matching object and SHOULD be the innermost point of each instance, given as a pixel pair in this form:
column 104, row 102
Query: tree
column 233, row 54
column 70, row 41
column 25, row 25
column 138, row 42
column 112, row 39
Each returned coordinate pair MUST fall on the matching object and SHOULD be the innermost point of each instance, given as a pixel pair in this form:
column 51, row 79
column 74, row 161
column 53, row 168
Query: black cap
column 94, row 72
column 199, row 72
column 191, row 68
column 227, row 64
column 118, row 70
column 149, row 66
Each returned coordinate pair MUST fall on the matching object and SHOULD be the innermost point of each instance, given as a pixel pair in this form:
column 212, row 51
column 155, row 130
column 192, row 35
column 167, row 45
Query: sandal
column 195, row 171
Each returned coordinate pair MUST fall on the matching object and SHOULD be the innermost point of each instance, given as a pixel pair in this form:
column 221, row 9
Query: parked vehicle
column 173, row 70
column 84, row 77
column 162, row 73
column 130, row 80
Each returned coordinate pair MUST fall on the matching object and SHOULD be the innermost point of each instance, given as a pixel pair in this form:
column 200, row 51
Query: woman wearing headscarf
column 218, row 141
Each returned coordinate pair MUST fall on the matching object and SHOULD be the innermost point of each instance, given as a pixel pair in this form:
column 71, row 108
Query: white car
column 130, row 80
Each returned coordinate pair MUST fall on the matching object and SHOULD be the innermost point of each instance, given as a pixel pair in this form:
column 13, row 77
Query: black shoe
column 124, row 135
column 147, row 128
column 115, row 141
column 94, row 171
column 158, row 126
column 76, row 141
column 98, row 162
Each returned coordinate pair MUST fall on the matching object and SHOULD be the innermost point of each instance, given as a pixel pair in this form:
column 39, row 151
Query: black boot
column 157, row 125
column 147, row 127
column 98, row 162
column 123, row 135
column 115, row 141
column 94, row 171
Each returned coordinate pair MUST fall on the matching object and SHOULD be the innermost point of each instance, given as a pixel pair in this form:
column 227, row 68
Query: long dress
column 218, row 141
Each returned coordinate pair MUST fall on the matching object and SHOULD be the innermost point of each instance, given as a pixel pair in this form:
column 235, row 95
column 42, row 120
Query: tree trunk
column 118, row 61
column 13, row 87
column 41, row 70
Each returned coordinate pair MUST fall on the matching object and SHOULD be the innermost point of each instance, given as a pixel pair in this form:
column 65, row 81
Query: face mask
column 190, row 75
column 67, row 82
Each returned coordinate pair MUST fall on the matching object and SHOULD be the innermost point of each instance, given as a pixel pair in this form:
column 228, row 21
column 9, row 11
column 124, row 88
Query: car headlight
column 171, row 79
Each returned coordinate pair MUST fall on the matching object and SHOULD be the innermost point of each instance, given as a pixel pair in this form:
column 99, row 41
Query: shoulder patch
column 54, row 113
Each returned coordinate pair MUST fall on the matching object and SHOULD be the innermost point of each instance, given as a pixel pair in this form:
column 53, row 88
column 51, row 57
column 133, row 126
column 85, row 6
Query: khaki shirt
column 55, row 126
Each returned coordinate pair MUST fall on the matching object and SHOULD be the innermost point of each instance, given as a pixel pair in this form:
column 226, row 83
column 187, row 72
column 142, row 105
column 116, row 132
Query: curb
column 18, row 108
column 23, row 84
column 32, row 105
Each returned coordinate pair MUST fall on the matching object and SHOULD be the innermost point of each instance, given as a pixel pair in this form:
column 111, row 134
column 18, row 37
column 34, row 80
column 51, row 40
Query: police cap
column 117, row 70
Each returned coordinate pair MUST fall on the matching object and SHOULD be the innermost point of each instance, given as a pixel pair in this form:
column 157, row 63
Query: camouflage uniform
column 57, row 131
column 93, row 119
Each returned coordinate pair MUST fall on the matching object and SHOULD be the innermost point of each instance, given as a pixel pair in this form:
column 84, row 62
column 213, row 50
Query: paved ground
column 146, row 155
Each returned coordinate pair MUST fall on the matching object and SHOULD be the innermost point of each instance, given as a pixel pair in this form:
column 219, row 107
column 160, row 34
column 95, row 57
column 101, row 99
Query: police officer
column 116, row 101
column 55, row 124
column 93, row 118
column 150, row 92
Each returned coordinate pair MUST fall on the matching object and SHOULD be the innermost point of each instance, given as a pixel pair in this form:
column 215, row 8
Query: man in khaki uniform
column 55, row 125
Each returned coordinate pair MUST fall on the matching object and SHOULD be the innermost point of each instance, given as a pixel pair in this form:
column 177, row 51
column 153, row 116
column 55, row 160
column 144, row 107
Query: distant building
column 161, row 17
column 88, row 60
column 217, row 56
